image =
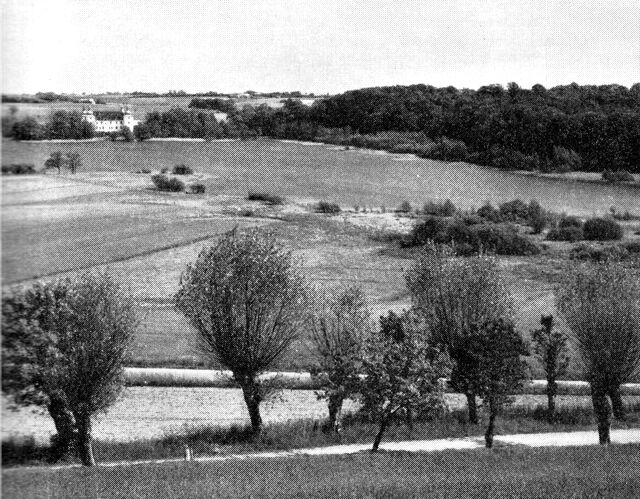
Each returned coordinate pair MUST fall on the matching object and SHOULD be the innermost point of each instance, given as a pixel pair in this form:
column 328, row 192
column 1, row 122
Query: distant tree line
column 223, row 105
column 59, row 125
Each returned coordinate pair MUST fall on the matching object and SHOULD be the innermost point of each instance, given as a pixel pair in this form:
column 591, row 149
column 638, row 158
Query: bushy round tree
column 64, row 344
column 245, row 297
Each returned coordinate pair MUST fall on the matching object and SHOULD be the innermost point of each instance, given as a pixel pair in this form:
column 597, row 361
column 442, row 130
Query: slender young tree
column 402, row 372
column 550, row 346
column 64, row 345
column 453, row 295
column 601, row 304
column 495, row 348
column 245, row 297
column 340, row 325
column 73, row 161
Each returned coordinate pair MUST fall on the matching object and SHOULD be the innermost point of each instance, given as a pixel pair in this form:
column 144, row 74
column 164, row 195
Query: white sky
column 314, row 46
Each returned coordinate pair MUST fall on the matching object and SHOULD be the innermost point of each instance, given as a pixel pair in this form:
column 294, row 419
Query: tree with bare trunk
column 246, row 299
column 64, row 345
column 601, row 304
column 340, row 325
column 402, row 372
column 550, row 346
column 453, row 295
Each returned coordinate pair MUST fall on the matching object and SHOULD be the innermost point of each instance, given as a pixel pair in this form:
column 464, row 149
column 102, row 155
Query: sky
column 326, row 46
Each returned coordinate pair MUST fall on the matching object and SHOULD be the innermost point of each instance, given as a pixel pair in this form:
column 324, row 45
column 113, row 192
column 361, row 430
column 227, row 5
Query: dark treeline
column 218, row 104
column 59, row 125
column 182, row 123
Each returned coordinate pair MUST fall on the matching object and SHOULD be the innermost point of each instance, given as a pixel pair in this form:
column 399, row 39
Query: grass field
column 504, row 472
column 108, row 217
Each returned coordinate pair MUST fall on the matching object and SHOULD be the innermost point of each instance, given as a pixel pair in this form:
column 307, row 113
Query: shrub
column 537, row 217
column 165, row 169
column 405, row 207
column 569, row 221
column 514, row 211
column 503, row 239
column 197, row 188
column 163, row 183
column 182, row 170
column 446, row 209
column 431, row 228
column 571, row 234
column 18, row 169
column 488, row 212
column 598, row 253
column 617, row 176
column 266, row 198
column 602, row 229
column 328, row 207
column 509, row 159
column 143, row 170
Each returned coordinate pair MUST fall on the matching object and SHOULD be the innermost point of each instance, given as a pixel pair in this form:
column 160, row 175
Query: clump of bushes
column 197, row 188
column 182, row 170
column 143, row 170
column 602, row 229
column 165, row 169
column 164, row 183
column 617, row 176
column 587, row 252
column 563, row 160
column 446, row 209
column 265, row 197
column 569, row 229
column 18, row 169
column 502, row 239
column 328, row 207
column 516, row 211
column 444, row 149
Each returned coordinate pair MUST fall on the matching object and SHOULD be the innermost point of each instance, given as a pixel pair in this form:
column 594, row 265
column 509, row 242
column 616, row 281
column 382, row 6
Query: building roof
column 108, row 115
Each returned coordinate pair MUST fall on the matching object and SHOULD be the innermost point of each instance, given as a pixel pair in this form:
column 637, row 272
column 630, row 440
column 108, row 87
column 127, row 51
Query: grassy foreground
column 503, row 472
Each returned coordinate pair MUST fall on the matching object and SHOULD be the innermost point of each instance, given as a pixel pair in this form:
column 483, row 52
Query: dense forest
column 564, row 128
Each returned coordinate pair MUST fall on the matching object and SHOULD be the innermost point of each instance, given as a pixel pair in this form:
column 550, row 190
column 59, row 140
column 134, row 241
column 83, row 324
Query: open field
column 108, row 217
column 502, row 472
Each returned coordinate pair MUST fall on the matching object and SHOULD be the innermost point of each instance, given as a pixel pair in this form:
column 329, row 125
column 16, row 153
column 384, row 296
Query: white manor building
column 110, row 121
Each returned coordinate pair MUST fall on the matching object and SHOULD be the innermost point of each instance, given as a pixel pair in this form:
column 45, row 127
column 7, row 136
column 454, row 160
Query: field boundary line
column 532, row 440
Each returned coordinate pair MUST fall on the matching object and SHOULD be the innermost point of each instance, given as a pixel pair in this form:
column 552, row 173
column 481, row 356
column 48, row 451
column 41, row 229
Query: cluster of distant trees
column 59, row 125
column 179, row 122
column 218, row 104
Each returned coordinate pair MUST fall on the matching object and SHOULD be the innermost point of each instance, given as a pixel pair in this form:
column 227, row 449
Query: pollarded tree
column 453, row 295
column 64, row 345
column 550, row 346
column 495, row 348
column 402, row 371
column 246, row 299
column 601, row 304
column 340, row 324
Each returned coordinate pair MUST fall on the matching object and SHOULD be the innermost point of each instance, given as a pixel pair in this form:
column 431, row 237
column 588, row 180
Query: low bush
column 439, row 209
column 165, row 169
column 509, row 159
column 328, row 207
column 537, row 217
column 182, row 170
column 602, row 229
column 569, row 221
column 598, row 253
column 163, row 183
column 632, row 247
column 503, row 239
column 143, row 170
column 197, row 188
column 571, row 234
column 266, row 198
column 18, row 169
column 514, row 211
column 617, row 176
column 489, row 213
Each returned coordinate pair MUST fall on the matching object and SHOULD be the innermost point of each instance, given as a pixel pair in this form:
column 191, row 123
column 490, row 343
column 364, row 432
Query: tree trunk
column 335, row 412
column 383, row 426
column 603, row 410
column 253, row 397
column 409, row 418
column 551, row 400
column 64, row 422
column 84, row 441
column 473, row 408
column 488, row 436
column 616, row 402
